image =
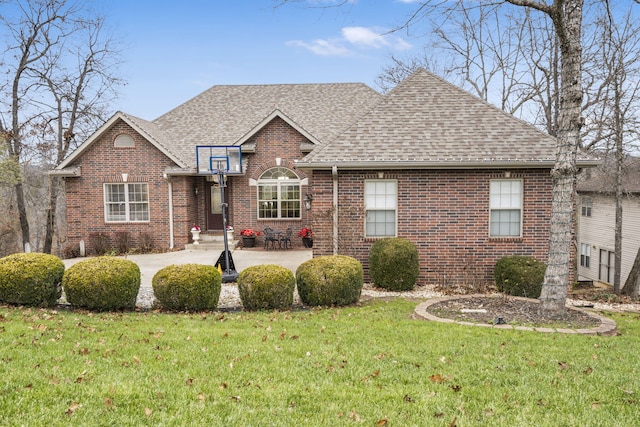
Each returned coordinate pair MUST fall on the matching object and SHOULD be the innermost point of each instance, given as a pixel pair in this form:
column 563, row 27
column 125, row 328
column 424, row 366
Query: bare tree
column 59, row 69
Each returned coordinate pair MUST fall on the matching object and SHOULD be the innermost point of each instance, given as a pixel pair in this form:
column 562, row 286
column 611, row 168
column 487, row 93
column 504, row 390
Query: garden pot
column 248, row 242
column 195, row 236
column 307, row 242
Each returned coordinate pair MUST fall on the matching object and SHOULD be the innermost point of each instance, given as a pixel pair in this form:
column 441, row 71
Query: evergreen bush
column 266, row 286
column 102, row 283
column 520, row 276
column 333, row 280
column 192, row 287
column 32, row 279
column 393, row 264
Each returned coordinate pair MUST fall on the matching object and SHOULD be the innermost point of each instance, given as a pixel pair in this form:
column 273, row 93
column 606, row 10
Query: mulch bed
column 498, row 309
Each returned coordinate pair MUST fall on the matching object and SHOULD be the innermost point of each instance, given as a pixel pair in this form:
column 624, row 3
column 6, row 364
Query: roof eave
column 438, row 164
column 66, row 172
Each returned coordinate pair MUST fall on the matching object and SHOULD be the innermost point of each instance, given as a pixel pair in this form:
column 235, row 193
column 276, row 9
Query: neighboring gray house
column 597, row 219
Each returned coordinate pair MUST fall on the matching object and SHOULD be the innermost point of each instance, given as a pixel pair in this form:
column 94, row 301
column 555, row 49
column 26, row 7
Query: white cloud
column 374, row 38
column 322, row 47
column 353, row 39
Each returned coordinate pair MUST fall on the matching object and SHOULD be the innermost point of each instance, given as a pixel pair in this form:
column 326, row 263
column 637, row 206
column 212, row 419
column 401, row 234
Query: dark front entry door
column 213, row 200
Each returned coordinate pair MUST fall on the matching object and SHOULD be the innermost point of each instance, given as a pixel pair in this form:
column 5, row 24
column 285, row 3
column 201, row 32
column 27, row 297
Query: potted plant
column 195, row 234
column 249, row 237
column 307, row 237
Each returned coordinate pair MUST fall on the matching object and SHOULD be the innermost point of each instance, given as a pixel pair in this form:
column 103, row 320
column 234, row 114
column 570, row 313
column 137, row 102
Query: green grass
column 368, row 365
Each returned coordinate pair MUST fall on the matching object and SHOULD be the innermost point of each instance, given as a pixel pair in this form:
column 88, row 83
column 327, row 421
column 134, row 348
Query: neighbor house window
column 278, row 194
column 505, row 208
column 126, row 202
column 607, row 266
column 381, row 202
column 585, row 255
column 587, row 204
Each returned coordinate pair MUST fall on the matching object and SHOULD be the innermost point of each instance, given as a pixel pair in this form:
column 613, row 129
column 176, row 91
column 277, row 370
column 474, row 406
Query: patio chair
column 269, row 237
column 286, row 239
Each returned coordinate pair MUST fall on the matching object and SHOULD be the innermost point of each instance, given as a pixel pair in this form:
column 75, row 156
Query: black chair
column 286, row 239
column 269, row 237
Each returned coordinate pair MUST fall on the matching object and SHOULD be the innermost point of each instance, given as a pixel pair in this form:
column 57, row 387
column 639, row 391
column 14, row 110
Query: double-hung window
column 126, row 202
column 279, row 194
column 587, row 205
column 505, row 208
column 585, row 255
column 381, row 205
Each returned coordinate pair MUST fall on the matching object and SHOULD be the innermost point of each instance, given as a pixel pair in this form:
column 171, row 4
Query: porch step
column 215, row 245
column 211, row 242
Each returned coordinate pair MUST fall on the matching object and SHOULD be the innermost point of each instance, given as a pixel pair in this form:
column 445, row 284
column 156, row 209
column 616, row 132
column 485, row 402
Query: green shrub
column 520, row 276
column 393, row 264
column 266, row 286
column 102, row 283
column 330, row 280
column 31, row 279
column 193, row 287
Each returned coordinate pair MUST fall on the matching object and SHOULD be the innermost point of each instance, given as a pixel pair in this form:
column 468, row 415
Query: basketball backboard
column 211, row 159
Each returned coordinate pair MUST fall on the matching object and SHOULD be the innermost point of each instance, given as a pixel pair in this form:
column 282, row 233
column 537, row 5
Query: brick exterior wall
column 103, row 163
column 444, row 212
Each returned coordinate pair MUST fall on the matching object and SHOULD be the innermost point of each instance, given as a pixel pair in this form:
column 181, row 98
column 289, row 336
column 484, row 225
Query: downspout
column 170, row 188
column 334, row 173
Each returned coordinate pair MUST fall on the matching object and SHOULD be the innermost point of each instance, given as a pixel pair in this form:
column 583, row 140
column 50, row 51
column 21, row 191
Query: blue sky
column 173, row 50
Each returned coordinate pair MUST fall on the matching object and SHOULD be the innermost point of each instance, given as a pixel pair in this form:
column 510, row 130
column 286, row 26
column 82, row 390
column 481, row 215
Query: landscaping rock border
column 607, row 326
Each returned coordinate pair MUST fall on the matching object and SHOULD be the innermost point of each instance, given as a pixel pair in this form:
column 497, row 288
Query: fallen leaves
column 73, row 407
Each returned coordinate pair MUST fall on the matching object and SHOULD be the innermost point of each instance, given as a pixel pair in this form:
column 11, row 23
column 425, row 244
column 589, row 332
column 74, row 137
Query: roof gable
column 269, row 118
column 147, row 129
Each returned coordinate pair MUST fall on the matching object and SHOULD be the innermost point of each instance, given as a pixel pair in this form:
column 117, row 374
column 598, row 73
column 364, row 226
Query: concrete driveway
column 242, row 258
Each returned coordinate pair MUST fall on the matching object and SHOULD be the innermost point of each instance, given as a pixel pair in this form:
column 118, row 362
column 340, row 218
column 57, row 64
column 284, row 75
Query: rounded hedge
column 32, row 279
column 393, row 264
column 192, row 287
column 520, row 276
column 102, row 283
column 266, row 286
column 333, row 280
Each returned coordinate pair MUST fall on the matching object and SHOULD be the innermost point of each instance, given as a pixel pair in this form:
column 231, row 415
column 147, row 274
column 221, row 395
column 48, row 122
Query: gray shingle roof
column 428, row 122
column 603, row 178
column 223, row 115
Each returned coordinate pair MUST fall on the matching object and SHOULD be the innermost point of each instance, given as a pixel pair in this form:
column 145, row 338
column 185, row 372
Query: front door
column 213, row 200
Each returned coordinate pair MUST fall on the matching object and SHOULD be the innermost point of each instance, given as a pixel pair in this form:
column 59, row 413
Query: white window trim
column 279, row 200
column 366, row 209
column 126, row 202
column 497, row 209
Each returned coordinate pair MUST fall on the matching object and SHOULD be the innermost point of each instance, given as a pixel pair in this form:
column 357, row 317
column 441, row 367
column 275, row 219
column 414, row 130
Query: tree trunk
column 618, row 139
column 22, row 215
column 632, row 285
column 54, row 188
column 567, row 19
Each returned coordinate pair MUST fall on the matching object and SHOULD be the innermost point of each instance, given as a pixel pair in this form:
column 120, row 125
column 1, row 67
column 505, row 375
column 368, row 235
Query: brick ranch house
column 464, row 181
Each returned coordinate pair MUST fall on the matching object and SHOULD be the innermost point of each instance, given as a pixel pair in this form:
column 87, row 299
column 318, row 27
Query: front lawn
column 369, row 365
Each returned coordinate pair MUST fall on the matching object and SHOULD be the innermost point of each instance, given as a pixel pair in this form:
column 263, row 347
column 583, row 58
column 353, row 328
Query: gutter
column 334, row 173
column 171, row 230
column 441, row 164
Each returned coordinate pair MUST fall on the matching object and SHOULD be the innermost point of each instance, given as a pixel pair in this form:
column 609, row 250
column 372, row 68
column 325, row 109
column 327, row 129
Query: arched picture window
column 123, row 140
column 279, row 194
